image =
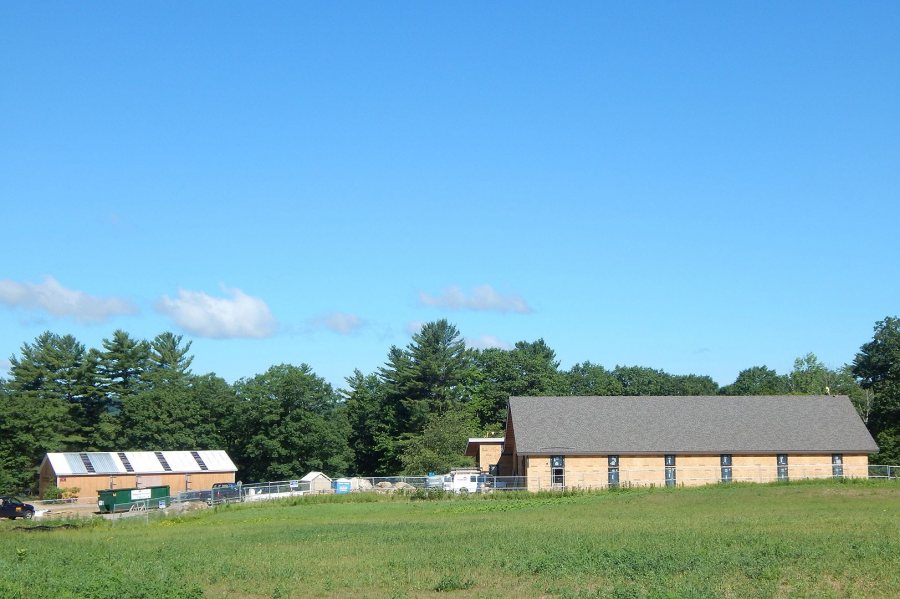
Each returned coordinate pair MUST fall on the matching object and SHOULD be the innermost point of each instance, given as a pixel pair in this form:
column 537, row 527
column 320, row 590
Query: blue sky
column 697, row 187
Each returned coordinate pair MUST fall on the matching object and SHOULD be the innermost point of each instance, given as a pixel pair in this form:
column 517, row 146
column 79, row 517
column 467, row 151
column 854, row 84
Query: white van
column 467, row 480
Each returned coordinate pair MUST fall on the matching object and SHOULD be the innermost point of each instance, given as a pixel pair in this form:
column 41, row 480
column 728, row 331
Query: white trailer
column 466, row 480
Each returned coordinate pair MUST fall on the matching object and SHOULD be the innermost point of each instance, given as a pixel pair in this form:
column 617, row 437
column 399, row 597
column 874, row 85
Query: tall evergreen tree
column 45, row 406
column 433, row 374
column 122, row 366
column 373, row 434
column 169, row 360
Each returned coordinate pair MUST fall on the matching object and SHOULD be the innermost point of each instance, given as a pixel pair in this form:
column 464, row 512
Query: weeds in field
column 802, row 539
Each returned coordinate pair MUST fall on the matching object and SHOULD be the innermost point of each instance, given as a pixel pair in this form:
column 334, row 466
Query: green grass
column 817, row 539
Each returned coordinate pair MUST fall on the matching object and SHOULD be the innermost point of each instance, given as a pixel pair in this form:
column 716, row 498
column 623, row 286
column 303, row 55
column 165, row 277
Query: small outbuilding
column 316, row 482
column 486, row 451
column 94, row 471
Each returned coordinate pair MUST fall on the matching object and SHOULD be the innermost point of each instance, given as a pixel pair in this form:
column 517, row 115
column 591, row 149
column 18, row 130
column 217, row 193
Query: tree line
column 413, row 415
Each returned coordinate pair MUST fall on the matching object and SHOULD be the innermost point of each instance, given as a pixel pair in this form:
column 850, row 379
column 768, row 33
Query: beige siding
column 856, row 466
column 690, row 470
column 488, row 455
column 753, row 468
column 537, row 469
column 819, row 466
column 698, row 470
column 642, row 470
column 89, row 484
column 586, row 472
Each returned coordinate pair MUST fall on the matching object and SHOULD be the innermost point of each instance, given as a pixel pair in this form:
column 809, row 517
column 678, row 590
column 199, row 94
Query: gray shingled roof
column 705, row 424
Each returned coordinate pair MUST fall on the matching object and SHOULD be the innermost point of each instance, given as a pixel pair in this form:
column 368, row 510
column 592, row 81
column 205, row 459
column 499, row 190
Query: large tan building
column 93, row 471
column 596, row 442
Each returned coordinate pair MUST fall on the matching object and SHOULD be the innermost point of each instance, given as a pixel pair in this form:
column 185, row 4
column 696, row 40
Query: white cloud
column 51, row 297
column 341, row 323
column 483, row 298
column 487, row 342
column 5, row 365
column 414, row 326
column 239, row 315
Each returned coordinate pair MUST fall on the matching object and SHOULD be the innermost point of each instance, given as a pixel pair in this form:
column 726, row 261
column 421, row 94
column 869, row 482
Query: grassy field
column 816, row 539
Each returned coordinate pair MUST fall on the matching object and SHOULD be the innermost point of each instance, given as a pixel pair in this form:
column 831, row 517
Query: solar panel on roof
column 87, row 462
column 162, row 460
column 199, row 460
column 125, row 462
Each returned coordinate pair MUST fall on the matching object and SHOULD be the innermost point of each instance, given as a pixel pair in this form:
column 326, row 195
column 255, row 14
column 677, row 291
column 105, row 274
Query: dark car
column 12, row 508
column 224, row 493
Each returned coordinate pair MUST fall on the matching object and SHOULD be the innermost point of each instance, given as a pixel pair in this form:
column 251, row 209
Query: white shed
column 318, row 482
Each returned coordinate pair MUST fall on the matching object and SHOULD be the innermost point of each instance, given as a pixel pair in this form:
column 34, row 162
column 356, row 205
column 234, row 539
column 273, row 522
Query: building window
column 837, row 465
column 670, row 470
column 725, row 463
column 782, row 461
column 492, row 470
column 612, row 463
column 558, row 471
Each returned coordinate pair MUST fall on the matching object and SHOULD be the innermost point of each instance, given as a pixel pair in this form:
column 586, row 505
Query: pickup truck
column 13, row 507
column 224, row 493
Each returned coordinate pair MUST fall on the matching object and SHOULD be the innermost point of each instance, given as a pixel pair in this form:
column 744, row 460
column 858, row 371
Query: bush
column 54, row 492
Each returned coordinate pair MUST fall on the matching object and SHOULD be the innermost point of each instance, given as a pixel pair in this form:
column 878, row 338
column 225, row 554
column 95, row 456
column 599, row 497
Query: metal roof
column 143, row 462
column 687, row 424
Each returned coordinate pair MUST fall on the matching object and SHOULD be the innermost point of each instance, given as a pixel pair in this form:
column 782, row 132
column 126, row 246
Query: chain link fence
column 585, row 480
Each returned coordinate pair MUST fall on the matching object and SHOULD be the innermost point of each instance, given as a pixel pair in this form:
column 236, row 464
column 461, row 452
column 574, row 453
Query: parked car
column 224, row 493
column 13, row 507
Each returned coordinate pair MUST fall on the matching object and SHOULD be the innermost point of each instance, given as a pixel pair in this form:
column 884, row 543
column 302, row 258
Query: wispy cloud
column 414, row 326
column 484, row 298
column 487, row 342
column 5, row 365
column 51, row 297
column 341, row 323
column 238, row 315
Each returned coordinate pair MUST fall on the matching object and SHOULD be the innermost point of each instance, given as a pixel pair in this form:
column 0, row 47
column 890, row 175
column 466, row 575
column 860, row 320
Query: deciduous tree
column 877, row 367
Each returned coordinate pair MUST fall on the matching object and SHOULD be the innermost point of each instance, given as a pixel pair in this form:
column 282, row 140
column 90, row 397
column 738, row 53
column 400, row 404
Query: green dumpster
column 122, row 500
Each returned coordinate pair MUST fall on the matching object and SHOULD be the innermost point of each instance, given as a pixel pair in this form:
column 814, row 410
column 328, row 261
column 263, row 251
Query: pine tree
column 169, row 361
column 122, row 367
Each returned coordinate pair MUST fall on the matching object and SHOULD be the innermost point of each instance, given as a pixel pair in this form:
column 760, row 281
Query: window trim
column 782, row 464
column 671, row 476
column 612, row 470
